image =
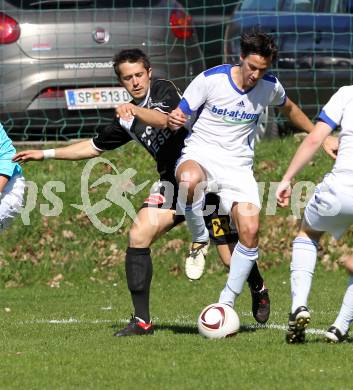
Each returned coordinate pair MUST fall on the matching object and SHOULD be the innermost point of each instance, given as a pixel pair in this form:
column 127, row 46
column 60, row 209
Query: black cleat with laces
column 136, row 327
column 297, row 323
column 260, row 305
column 334, row 335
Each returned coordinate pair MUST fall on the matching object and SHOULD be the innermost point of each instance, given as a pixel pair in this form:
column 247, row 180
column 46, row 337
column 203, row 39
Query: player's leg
column 224, row 236
column 303, row 263
column 11, row 198
column 261, row 304
column 151, row 222
column 245, row 254
column 338, row 331
column 192, row 179
column 329, row 210
column 304, row 255
column 148, row 226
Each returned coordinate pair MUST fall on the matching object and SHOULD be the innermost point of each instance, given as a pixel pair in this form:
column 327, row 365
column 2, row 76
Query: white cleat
column 195, row 262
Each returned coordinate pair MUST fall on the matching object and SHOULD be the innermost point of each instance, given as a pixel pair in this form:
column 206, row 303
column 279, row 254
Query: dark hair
column 131, row 55
column 258, row 43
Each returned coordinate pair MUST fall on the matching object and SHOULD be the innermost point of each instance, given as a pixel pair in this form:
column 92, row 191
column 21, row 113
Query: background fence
column 49, row 49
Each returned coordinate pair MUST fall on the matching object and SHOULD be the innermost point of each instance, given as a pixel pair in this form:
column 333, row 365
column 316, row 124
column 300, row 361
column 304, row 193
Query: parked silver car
column 56, row 75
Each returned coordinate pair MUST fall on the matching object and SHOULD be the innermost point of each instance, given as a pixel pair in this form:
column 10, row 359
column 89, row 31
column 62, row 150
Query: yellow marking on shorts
column 220, row 226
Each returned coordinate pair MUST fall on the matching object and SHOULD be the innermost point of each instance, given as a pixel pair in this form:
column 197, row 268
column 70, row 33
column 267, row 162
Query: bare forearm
column 307, row 149
column 302, row 157
column 152, row 118
column 299, row 119
column 78, row 151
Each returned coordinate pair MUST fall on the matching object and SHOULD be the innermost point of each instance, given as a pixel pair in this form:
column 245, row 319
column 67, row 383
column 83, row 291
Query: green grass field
column 63, row 293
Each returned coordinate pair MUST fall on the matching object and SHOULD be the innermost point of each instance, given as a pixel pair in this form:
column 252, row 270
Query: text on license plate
column 86, row 98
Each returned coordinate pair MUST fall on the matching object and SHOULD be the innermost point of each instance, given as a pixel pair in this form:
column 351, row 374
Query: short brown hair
column 131, row 55
column 258, row 43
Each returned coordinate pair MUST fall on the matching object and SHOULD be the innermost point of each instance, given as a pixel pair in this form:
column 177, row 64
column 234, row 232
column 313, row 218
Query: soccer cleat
column 334, row 335
column 195, row 262
column 260, row 305
column 136, row 327
column 297, row 323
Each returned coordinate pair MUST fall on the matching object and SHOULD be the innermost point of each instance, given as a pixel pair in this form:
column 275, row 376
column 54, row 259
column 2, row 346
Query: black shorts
column 164, row 195
column 219, row 227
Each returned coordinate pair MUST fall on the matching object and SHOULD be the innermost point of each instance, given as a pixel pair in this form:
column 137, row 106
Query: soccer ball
column 217, row 321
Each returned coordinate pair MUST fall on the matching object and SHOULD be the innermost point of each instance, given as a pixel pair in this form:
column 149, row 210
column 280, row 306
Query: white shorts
column 11, row 200
column 330, row 209
column 231, row 183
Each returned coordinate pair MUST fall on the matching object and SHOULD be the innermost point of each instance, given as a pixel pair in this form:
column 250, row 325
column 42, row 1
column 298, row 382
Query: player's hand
column 176, row 119
column 126, row 111
column 330, row 146
column 283, row 193
column 28, row 155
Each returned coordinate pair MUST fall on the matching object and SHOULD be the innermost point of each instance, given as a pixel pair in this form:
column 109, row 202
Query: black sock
column 255, row 280
column 138, row 267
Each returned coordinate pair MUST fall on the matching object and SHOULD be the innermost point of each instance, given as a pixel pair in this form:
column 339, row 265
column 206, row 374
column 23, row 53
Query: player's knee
column 192, row 185
column 138, row 268
column 249, row 235
column 306, row 232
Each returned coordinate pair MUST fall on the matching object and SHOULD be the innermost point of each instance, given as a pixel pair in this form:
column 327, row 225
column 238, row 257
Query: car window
column 81, row 4
column 329, row 6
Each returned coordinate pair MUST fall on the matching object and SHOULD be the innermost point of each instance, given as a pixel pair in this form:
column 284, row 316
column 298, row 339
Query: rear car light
column 52, row 93
column 9, row 29
column 181, row 24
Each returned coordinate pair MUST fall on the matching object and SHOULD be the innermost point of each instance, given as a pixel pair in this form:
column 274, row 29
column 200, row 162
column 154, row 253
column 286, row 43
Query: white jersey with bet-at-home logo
column 226, row 117
column 339, row 112
column 331, row 207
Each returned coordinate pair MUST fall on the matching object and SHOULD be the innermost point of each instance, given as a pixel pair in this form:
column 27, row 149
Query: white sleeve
column 279, row 96
column 332, row 112
column 195, row 95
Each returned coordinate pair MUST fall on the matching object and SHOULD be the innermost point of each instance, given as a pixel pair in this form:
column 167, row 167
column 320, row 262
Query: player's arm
column 304, row 154
column 151, row 117
column 193, row 98
column 78, row 151
column 296, row 116
column 176, row 119
column 301, row 121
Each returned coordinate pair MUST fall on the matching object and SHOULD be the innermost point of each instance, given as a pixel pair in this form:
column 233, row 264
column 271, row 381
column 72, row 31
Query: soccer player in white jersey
column 329, row 210
column 12, row 183
column 144, row 120
column 228, row 101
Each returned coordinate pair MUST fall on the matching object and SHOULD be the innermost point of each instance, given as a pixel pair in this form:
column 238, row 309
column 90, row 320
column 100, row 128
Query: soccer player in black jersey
column 144, row 120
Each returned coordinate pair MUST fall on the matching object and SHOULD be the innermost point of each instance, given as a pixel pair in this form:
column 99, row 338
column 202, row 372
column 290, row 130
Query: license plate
column 86, row 98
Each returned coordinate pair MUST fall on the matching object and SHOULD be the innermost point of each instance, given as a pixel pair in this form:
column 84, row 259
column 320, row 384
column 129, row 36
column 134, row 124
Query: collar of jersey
column 232, row 83
column 145, row 100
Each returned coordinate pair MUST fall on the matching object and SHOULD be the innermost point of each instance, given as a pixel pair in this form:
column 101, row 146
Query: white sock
column 302, row 269
column 194, row 219
column 241, row 264
column 345, row 316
